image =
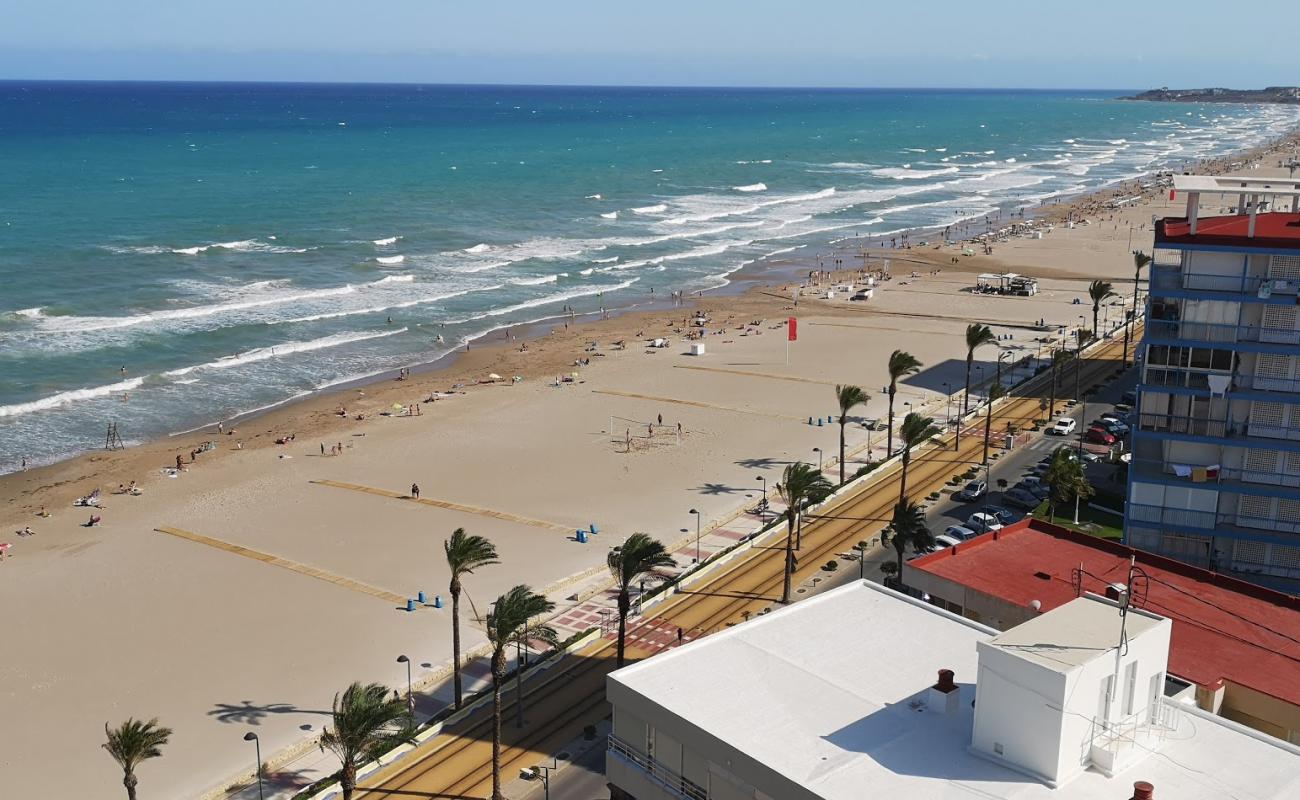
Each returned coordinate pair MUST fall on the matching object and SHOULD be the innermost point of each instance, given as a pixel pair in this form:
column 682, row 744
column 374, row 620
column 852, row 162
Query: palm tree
column 1066, row 480
column 1059, row 357
column 907, row 528
column 914, row 430
column 977, row 335
column 505, row 623
column 628, row 562
column 1140, row 260
column 368, row 720
column 800, row 485
column 901, row 364
column 465, row 553
column 1100, row 291
column 131, row 744
column 849, row 397
column 995, row 391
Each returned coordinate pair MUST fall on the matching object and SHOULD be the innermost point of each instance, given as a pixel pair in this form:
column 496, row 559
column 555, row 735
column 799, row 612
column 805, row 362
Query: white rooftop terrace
column 830, row 694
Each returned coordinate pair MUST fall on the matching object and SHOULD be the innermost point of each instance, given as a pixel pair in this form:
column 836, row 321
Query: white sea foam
column 657, row 208
column 753, row 187
column 535, row 281
column 478, row 248
column 610, row 215
column 915, row 149
column 586, row 271
column 593, row 197
column 29, row 313
column 394, row 279
column 72, row 396
column 390, row 259
column 284, row 349
column 903, row 173
column 391, row 240
column 241, row 246
column 419, row 301
column 610, row 260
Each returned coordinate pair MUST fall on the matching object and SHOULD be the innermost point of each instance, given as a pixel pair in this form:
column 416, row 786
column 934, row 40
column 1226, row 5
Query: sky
column 1103, row 44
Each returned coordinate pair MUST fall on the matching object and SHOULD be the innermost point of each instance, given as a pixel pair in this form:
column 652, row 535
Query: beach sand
column 194, row 624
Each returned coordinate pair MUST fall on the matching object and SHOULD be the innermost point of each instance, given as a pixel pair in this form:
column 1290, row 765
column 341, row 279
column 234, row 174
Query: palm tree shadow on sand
column 247, row 713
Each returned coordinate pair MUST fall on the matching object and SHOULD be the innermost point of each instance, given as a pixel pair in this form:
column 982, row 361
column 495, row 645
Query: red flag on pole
column 792, row 328
column 1173, row 194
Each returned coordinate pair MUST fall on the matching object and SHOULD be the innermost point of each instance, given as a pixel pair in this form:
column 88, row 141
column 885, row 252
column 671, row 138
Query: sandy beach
column 267, row 574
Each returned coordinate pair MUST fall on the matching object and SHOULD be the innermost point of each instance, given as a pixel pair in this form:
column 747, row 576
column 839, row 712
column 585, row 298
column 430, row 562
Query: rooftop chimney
column 1143, row 791
column 945, row 695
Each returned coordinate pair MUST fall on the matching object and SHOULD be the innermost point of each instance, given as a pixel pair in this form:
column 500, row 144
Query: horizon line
column 754, row 87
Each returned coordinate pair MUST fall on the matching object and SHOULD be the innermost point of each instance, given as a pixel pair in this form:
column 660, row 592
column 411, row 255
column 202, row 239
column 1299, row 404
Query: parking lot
column 1020, row 463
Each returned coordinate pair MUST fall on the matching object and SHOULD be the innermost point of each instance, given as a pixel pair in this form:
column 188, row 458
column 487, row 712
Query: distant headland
column 1271, row 94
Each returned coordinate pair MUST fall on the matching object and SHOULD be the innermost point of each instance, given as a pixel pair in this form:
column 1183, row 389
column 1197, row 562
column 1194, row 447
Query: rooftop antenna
column 1121, row 648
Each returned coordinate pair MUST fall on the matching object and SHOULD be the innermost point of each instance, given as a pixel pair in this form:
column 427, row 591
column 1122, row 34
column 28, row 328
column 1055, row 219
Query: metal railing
column 1195, row 426
column 1209, row 521
column 1179, row 330
column 1156, row 720
column 671, row 781
column 1174, row 278
column 1265, row 384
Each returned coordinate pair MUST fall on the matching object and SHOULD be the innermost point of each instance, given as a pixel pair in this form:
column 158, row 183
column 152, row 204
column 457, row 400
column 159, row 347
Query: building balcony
column 672, row 783
column 1175, row 279
column 1179, row 332
column 1212, row 523
column 1190, row 425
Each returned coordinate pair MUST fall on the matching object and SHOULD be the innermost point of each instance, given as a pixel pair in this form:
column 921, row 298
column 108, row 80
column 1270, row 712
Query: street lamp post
column 410, row 698
column 862, row 562
column 697, row 532
column 763, row 478
column 818, row 451
column 947, row 389
column 545, row 775
column 252, row 737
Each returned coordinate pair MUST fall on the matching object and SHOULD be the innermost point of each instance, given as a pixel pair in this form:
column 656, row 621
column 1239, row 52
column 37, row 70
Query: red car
column 1099, row 436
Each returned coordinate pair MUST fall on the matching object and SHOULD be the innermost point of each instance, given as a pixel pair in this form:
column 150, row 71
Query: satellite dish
column 1036, row 605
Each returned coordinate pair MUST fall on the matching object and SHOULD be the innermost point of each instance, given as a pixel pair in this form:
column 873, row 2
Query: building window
column 1286, row 267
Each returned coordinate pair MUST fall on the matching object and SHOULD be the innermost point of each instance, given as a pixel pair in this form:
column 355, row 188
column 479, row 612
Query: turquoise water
column 234, row 246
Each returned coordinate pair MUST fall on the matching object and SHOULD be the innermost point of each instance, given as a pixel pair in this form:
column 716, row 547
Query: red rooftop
column 1238, row 643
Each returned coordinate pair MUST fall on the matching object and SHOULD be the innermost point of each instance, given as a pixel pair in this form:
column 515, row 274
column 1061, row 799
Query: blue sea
column 234, row 246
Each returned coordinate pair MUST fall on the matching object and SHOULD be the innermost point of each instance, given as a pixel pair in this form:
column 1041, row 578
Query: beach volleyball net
column 629, row 435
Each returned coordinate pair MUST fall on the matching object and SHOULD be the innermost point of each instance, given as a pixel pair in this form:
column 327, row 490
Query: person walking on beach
column 322, row 448
column 415, row 491
column 661, row 420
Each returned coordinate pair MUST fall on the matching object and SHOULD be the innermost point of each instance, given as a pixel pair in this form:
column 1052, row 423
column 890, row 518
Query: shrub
column 832, row 565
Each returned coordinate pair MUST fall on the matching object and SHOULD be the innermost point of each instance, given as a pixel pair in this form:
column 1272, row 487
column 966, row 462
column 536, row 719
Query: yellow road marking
column 447, row 504
column 698, row 404
column 284, row 563
column 748, row 373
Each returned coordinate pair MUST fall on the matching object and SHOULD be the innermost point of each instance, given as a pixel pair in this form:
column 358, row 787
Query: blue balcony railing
column 1172, row 278
column 1195, row 426
column 1216, row 332
column 1221, row 524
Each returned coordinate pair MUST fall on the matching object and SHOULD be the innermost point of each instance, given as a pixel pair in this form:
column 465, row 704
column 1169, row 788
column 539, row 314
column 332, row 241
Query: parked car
column 1129, row 398
column 960, row 532
column 973, row 491
column 1063, row 427
column 943, row 540
column 1118, row 416
column 1099, row 436
column 1036, row 489
column 1005, row 515
column 983, row 522
column 1112, row 426
column 1021, row 498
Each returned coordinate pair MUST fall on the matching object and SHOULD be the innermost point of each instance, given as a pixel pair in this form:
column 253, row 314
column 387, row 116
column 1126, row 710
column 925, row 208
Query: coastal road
column 456, row 764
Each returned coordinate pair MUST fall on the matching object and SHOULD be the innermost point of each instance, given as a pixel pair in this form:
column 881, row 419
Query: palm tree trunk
column 965, row 398
column 988, row 422
column 841, row 448
column 1096, row 334
column 624, row 604
column 889, row 443
column 899, row 550
column 798, row 533
column 455, row 642
column 129, row 781
column 902, row 484
column 348, row 780
column 498, row 673
column 1051, row 408
column 789, row 557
